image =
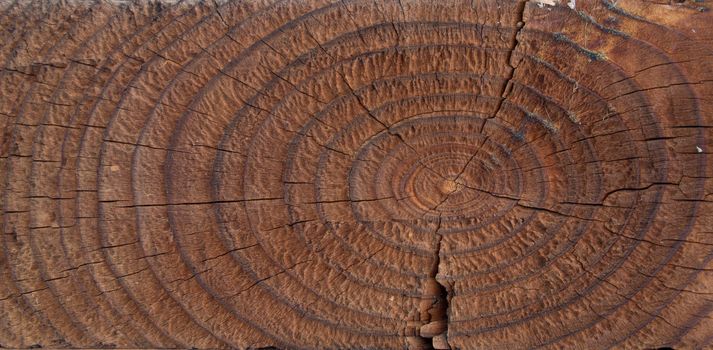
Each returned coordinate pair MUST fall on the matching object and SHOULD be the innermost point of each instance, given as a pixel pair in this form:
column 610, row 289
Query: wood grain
column 387, row 174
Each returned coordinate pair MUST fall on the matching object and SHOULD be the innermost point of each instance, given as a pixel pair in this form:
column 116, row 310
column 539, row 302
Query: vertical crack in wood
column 434, row 309
column 441, row 299
column 514, row 42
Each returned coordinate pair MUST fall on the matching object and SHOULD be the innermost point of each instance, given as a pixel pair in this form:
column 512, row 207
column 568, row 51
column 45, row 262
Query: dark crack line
column 444, row 295
column 507, row 86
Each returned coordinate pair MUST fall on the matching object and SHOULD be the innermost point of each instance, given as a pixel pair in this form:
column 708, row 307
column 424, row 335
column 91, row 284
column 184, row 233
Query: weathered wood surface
column 357, row 174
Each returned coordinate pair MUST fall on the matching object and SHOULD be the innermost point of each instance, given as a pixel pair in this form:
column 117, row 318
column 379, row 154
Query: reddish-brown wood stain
column 357, row 174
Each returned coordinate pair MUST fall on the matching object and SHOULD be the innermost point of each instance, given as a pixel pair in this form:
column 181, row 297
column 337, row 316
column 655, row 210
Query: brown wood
column 359, row 174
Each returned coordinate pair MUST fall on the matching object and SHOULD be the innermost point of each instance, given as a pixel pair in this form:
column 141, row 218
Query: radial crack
column 432, row 331
column 507, row 86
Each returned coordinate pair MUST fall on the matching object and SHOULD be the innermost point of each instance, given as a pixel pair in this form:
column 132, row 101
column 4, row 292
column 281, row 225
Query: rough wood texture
column 358, row 174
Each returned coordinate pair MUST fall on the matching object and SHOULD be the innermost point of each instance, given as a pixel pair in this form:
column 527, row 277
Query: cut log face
column 357, row 174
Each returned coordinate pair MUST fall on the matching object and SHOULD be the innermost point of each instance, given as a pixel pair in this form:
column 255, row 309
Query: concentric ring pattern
column 357, row 174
